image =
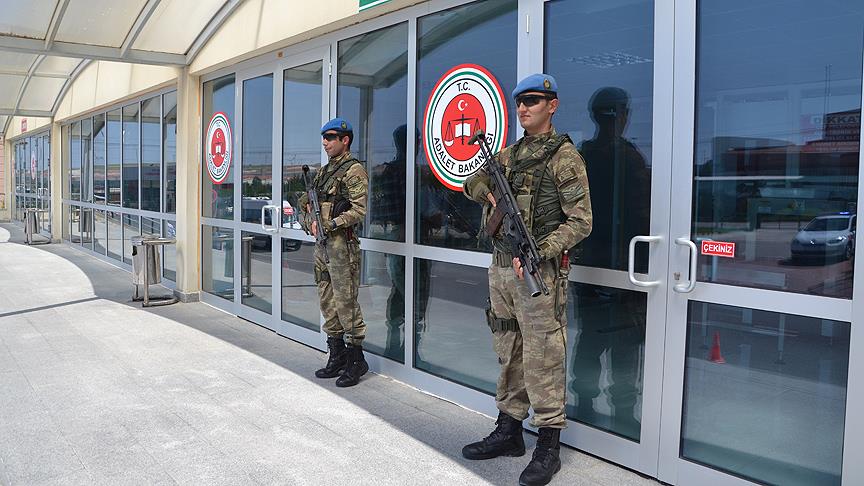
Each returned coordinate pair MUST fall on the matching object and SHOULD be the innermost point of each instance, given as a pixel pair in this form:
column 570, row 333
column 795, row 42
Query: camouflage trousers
column 338, row 284
column 532, row 358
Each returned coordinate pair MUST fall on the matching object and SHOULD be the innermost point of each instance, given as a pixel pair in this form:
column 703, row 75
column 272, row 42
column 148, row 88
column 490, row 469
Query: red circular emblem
column 217, row 147
column 463, row 116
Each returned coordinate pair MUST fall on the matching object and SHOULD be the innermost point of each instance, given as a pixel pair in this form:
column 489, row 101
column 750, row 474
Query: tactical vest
column 325, row 184
column 535, row 189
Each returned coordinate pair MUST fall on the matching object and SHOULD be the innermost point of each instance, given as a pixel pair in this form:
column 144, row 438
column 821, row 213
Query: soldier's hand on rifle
column 517, row 267
column 314, row 228
column 491, row 199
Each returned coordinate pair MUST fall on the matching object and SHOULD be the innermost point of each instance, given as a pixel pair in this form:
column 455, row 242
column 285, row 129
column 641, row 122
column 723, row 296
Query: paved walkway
column 96, row 390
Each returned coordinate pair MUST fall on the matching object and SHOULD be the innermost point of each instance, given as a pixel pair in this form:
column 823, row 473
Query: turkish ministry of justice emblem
column 218, row 145
column 467, row 98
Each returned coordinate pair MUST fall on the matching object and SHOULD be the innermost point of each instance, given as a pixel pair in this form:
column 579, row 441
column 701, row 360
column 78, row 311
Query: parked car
column 827, row 236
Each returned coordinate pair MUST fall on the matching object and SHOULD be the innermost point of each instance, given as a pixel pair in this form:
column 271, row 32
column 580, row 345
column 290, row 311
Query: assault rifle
column 507, row 213
column 312, row 194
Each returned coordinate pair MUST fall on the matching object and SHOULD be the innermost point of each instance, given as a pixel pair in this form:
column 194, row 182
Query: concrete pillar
column 8, row 188
column 56, row 181
column 188, row 185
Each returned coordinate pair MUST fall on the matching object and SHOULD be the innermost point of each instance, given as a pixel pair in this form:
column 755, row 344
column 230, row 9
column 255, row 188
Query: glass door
column 614, row 78
column 765, row 188
column 256, row 225
column 303, row 104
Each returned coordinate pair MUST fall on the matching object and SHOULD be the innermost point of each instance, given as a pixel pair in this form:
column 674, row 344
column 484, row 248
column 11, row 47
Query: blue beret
column 338, row 124
column 543, row 83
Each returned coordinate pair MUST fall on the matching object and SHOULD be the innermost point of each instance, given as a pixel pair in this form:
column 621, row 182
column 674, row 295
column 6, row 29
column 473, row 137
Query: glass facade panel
column 372, row 94
column 765, row 394
column 131, row 147
column 151, row 137
column 256, row 271
column 217, row 261
column 87, row 160
column 131, row 227
column 99, row 161
column 776, row 149
column 115, row 126
column 605, row 74
column 75, row 224
column 257, row 158
column 301, row 135
column 169, row 252
column 65, row 162
column 451, row 337
column 382, row 299
column 85, row 226
column 606, row 337
column 169, row 149
column 100, row 231
column 75, row 163
column 483, row 33
column 115, row 235
column 217, row 200
column 299, row 291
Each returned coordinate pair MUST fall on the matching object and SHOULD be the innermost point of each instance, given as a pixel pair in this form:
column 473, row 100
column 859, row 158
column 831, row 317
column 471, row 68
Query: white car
column 831, row 235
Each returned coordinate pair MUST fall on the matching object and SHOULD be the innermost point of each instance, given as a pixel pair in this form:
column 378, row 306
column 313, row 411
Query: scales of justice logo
column 466, row 98
column 218, row 145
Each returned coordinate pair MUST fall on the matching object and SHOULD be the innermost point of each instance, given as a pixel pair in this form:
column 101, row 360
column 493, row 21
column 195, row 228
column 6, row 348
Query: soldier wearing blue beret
column 548, row 177
column 342, row 187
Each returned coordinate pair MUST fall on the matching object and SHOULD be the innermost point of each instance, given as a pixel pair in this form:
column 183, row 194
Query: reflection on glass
column 86, row 161
column 169, row 252
column 85, row 226
column 217, row 200
column 255, row 271
column 481, row 33
column 115, row 236
column 152, row 228
column 765, row 394
column 114, row 128
column 299, row 291
column 99, row 164
column 169, row 149
column 777, row 135
column 257, row 161
column 372, row 95
column 217, row 261
column 100, row 230
column 75, row 167
column 131, row 227
column 150, row 141
column 605, row 76
column 451, row 337
column 75, row 225
column 130, row 156
column 606, row 332
column 301, row 135
column 382, row 298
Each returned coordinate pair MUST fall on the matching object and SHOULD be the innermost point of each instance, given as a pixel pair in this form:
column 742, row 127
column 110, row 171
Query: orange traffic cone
column 715, row 356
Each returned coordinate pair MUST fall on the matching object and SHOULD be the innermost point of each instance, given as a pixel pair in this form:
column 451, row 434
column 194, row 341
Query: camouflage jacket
column 567, row 171
column 354, row 186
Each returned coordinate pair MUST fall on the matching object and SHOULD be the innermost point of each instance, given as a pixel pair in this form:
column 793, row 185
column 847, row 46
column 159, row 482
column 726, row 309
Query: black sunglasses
column 532, row 99
column 332, row 136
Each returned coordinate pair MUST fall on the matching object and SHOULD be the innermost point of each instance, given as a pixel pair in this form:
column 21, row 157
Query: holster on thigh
column 321, row 275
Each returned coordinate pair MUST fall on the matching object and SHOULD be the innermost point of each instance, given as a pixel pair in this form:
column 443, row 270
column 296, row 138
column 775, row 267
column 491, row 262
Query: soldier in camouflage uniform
column 342, row 187
column 547, row 177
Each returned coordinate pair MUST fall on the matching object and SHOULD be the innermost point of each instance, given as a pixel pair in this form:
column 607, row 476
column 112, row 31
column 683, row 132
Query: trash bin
column 146, row 268
column 145, row 258
column 31, row 225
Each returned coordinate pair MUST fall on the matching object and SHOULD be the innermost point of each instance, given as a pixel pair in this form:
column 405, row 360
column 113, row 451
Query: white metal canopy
column 44, row 44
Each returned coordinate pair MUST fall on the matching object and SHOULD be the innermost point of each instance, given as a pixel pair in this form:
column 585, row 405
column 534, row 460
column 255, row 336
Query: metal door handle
column 694, row 253
column 630, row 263
column 273, row 226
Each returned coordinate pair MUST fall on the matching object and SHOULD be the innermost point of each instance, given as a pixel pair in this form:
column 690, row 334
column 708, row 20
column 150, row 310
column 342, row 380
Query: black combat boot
column 356, row 367
column 336, row 361
column 505, row 440
column 545, row 461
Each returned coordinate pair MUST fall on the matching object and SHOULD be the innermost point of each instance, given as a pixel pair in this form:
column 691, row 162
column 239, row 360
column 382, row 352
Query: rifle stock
column 312, row 194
